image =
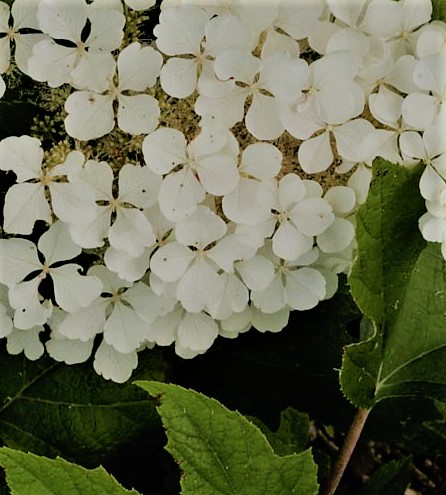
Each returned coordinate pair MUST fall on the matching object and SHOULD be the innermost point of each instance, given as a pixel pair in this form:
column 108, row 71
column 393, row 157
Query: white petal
column 18, row 258
column 432, row 228
column 138, row 186
column 91, row 234
column 249, row 203
column 171, row 261
column 69, row 351
column 62, row 20
column 342, row 199
column 234, row 298
column 138, row 114
column 431, row 184
column 107, row 23
column 2, row 86
column 347, row 11
column 140, row 4
column 263, row 119
column 181, row 30
column 72, row 203
column 359, row 181
column 385, row 105
column 124, row 329
column 56, row 244
column 84, row 324
column 24, row 205
column 72, row 290
column 138, row 67
column 90, row 115
column 52, row 63
column 218, row 174
column 315, row 154
column 312, row 216
column 131, row 232
column 128, row 267
column 146, row 303
column 289, row 243
column 412, row 145
column 164, row 149
column 227, row 107
column 99, row 176
column 163, row 330
column 383, row 18
column 197, row 331
column 114, row 365
column 272, row 322
column 27, row 341
column 271, row 299
column 232, row 247
column 261, row 160
column 93, row 71
column 23, row 155
column 199, row 287
column 304, row 288
column 179, row 195
column 201, row 228
column 25, row 299
column 179, row 77
column 257, row 273
column 337, row 236
column 236, row 64
column 419, row 110
column 291, row 190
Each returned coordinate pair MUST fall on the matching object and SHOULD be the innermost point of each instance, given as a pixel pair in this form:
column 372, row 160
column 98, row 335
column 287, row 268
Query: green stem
column 346, row 451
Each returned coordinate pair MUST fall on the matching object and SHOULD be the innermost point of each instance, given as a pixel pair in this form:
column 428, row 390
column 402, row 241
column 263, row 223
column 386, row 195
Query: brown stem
column 346, row 451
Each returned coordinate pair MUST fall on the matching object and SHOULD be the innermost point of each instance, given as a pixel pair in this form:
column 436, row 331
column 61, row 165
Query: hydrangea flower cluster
column 252, row 129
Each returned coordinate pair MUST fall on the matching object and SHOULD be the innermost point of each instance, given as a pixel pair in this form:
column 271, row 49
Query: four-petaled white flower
column 91, row 115
column 207, row 165
column 22, row 271
column 87, row 60
column 26, row 202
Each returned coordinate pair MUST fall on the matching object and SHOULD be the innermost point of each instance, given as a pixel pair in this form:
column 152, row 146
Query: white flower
column 294, row 284
column 207, row 165
column 298, row 218
column 26, row 341
column 181, row 31
column 19, row 259
column 26, row 202
column 91, row 115
column 87, row 61
column 396, row 21
column 123, row 313
column 275, row 78
column 23, row 13
column 194, row 263
column 130, row 231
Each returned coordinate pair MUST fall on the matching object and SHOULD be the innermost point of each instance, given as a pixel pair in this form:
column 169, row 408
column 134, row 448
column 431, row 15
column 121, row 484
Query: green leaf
column 30, row 474
column 391, row 479
column 439, row 10
column 399, row 283
column 221, row 452
column 292, row 434
column 53, row 409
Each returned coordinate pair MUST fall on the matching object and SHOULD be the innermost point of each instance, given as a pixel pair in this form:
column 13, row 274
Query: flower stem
column 346, row 451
